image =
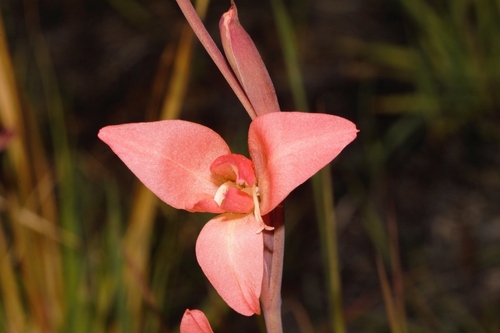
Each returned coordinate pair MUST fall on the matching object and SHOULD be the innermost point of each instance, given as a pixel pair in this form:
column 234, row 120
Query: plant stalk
column 274, row 250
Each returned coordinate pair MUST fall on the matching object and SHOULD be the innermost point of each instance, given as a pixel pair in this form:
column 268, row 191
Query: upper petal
column 287, row 148
column 234, row 167
column 195, row 321
column 172, row 158
column 230, row 253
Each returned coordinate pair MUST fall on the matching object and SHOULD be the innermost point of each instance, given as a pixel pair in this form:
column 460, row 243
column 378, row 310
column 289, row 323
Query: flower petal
column 230, row 253
column 195, row 321
column 287, row 148
column 247, row 64
column 172, row 158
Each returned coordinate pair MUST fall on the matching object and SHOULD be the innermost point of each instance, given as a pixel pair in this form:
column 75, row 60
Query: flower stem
column 274, row 249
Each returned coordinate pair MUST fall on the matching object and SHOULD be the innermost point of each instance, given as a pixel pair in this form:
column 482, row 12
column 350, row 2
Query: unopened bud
column 247, row 64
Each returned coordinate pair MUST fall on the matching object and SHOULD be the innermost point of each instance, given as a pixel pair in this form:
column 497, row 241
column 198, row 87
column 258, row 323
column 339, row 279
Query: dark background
column 419, row 78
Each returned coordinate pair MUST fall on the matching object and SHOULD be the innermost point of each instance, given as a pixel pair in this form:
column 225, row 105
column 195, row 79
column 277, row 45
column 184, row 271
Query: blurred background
column 400, row 234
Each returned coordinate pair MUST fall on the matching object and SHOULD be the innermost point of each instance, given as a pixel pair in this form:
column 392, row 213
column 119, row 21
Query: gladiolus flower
column 190, row 167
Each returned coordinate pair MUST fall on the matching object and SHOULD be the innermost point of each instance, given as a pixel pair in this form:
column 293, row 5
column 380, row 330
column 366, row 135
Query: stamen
column 256, row 211
column 220, row 195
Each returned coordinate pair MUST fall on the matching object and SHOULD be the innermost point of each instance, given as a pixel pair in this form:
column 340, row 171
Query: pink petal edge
column 195, row 321
column 172, row 158
column 230, row 252
column 288, row 148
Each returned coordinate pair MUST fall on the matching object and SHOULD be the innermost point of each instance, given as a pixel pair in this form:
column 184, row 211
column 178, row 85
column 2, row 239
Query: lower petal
column 230, row 253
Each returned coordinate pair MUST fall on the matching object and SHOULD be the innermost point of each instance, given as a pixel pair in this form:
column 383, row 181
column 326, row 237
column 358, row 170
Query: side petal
column 230, row 253
column 195, row 321
column 287, row 148
column 172, row 158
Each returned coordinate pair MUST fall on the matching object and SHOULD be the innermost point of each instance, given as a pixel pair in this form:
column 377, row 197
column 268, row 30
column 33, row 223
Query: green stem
column 290, row 54
column 328, row 230
column 274, row 249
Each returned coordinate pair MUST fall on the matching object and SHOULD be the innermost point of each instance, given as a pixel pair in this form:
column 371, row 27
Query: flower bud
column 195, row 321
column 247, row 64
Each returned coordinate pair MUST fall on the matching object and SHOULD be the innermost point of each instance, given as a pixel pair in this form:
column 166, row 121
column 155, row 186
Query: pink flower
column 190, row 167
